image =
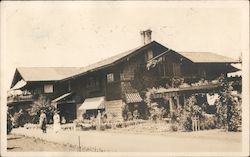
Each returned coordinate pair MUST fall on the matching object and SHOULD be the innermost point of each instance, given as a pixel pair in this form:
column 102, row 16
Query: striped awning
column 93, row 103
column 133, row 97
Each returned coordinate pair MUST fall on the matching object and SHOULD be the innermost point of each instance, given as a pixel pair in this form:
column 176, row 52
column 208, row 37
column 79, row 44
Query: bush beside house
column 32, row 115
column 227, row 115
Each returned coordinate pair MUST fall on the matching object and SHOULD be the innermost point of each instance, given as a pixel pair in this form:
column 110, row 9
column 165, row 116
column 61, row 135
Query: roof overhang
column 61, row 97
column 20, row 84
column 133, row 98
column 124, row 58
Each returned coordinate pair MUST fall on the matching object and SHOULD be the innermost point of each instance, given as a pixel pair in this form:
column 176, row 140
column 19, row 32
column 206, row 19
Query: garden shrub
column 174, row 127
column 20, row 118
column 221, row 115
column 129, row 116
column 228, row 113
column 176, row 82
column 9, row 123
column 136, row 114
column 125, row 111
column 183, row 116
column 235, row 120
column 156, row 112
column 208, row 122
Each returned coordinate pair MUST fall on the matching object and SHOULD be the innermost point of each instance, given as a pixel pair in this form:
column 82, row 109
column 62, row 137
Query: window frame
column 49, row 89
column 110, row 77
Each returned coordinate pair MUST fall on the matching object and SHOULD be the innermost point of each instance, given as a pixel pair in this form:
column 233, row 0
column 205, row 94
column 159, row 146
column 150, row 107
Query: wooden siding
column 89, row 86
column 113, row 91
column 59, row 88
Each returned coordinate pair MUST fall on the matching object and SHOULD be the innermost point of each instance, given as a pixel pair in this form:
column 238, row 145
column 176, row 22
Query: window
column 92, row 82
column 110, row 77
column 48, row 88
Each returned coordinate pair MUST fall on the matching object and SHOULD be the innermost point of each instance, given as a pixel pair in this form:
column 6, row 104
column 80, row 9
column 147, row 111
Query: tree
column 42, row 103
column 228, row 108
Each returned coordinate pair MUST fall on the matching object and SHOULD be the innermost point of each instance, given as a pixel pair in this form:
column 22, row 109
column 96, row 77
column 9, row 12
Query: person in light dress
column 56, row 119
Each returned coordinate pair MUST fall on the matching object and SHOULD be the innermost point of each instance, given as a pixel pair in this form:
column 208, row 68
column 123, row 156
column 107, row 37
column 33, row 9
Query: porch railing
column 20, row 98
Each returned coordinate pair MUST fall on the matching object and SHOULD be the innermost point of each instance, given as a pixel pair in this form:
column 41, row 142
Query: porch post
column 171, row 105
column 54, row 104
column 178, row 101
column 184, row 99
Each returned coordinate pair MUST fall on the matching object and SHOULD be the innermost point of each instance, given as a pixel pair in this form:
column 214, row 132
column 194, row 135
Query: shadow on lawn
column 10, row 148
column 14, row 138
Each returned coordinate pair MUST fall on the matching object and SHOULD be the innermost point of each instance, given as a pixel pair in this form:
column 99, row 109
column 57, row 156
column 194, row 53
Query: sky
column 73, row 34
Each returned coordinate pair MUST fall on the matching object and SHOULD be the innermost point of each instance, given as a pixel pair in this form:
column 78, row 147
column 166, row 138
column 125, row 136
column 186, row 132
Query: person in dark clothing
column 43, row 121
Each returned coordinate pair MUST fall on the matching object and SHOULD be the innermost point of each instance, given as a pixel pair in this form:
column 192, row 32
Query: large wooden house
column 122, row 79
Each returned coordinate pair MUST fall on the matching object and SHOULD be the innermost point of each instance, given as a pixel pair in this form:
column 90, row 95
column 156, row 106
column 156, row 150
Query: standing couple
column 56, row 120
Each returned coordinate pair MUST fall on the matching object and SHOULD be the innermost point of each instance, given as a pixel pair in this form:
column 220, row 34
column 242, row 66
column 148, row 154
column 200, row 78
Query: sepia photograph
column 124, row 78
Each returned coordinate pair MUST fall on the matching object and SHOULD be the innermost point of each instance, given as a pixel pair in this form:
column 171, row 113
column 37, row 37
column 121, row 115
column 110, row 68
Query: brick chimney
column 146, row 36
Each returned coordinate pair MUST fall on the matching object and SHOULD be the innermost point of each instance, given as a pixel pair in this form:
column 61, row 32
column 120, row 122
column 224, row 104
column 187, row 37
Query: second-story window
column 110, row 77
column 48, row 88
column 93, row 83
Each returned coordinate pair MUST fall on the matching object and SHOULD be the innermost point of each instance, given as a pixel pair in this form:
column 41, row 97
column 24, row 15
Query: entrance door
column 68, row 111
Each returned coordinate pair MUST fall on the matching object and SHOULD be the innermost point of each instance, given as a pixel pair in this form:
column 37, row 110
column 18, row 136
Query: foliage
column 235, row 120
column 156, row 112
column 221, row 115
column 227, row 115
column 42, row 103
column 148, row 96
column 90, row 124
column 208, row 122
column 9, row 123
column 125, row 112
column 20, row 118
column 176, row 82
column 228, row 108
column 183, row 116
column 174, row 127
column 134, row 112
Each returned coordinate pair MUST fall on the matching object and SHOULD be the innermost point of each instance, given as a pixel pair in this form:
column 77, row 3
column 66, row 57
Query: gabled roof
column 62, row 73
column 207, row 57
column 46, row 73
column 104, row 62
column 112, row 60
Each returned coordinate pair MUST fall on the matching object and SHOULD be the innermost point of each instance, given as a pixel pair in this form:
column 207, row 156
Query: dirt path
column 206, row 141
column 20, row 143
